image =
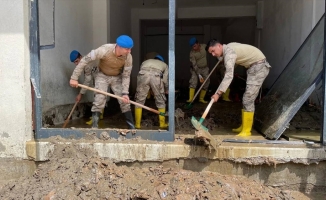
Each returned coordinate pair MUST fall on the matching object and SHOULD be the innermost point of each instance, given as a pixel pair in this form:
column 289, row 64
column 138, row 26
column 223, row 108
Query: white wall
column 80, row 25
column 119, row 17
column 286, row 25
column 15, row 93
column 138, row 14
column 100, row 23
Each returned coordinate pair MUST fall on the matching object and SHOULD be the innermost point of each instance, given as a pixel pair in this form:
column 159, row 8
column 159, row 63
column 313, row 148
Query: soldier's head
column 214, row 47
column 159, row 57
column 124, row 45
column 193, row 43
column 75, row 57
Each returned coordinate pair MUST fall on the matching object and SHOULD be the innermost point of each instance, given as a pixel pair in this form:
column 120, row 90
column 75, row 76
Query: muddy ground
column 222, row 116
column 75, row 173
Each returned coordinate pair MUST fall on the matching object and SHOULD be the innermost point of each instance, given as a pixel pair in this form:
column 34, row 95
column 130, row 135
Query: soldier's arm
column 229, row 61
column 126, row 75
column 90, row 57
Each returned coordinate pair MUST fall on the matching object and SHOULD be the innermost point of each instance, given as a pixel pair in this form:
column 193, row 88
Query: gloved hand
column 201, row 79
column 220, row 58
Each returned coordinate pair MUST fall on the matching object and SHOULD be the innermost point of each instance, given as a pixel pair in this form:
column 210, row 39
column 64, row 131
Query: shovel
column 202, row 131
column 67, row 120
column 118, row 97
column 189, row 106
column 198, row 124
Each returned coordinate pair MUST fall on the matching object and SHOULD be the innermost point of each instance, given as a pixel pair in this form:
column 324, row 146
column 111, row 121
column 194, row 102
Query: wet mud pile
column 227, row 115
column 309, row 117
column 78, row 173
column 221, row 115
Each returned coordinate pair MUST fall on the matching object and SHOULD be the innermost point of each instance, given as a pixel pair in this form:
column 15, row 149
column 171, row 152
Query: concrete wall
column 286, row 24
column 119, row 19
column 15, row 93
column 100, row 22
column 80, row 25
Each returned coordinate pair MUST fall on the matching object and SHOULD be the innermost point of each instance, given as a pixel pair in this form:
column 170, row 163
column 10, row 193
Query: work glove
column 201, row 79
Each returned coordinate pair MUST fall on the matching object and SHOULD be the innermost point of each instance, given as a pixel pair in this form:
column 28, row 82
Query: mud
column 78, row 173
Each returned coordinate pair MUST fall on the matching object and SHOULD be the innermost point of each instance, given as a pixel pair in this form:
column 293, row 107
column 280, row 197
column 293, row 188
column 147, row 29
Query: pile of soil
column 79, row 173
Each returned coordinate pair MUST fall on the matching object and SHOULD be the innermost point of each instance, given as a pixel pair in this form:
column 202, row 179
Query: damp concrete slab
column 144, row 151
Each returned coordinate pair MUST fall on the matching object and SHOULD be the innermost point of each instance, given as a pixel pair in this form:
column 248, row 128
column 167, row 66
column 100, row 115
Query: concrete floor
column 226, row 116
column 309, row 136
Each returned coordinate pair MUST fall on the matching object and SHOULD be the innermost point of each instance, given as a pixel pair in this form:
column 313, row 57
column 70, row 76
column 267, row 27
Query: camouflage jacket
column 198, row 58
column 104, row 54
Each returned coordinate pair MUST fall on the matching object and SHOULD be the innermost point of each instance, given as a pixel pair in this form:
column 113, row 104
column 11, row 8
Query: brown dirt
column 74, row 173
column 78, row 173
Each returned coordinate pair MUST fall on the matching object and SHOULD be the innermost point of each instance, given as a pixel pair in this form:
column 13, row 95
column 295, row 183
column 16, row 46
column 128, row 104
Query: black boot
column 129, row 120
column 95, row 118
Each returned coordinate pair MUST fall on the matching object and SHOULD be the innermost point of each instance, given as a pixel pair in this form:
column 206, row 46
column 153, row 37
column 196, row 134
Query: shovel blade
column 203, row 134
column 198, row 124
column 188, row 106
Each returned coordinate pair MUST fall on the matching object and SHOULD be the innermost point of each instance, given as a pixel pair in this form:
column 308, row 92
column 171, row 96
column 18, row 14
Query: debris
column 79, row 173
column 179, row 114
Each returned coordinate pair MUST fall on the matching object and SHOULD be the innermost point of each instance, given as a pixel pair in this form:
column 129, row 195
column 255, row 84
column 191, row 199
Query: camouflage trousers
column 147, row 79
column 102, row 82
column 203, row 71
column 256, row 75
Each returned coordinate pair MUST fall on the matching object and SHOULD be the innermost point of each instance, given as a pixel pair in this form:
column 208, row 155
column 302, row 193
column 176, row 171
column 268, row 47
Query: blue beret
column 74, row 55
column 159, row 57
column 192, row 41
column 125, row 41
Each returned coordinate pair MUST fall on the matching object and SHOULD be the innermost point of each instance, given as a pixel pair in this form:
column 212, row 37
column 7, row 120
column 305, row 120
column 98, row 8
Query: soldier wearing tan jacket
column 153, row 75
column 257, row 70
column 199, row 69
column 115, row 65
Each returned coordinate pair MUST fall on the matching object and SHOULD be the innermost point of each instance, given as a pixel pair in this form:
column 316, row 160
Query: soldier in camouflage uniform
column 90, row 71
column 153, row 75
column 150, row 55
column 115, row 64
column 199, row 69
column 257, row 70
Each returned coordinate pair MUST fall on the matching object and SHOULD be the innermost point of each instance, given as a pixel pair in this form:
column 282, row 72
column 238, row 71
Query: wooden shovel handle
column 118, row 97
column 67, row 120
column 202, row 85
column 208, row 107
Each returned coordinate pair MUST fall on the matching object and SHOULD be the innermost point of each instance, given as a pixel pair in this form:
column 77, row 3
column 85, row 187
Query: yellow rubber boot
column 191, row 94
column 90, row 122
column 238, row 130
column 202, row 96
column 138, row 112
column 162, row 119
column 225, row 96
column 148, row 95
column 248, row 119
